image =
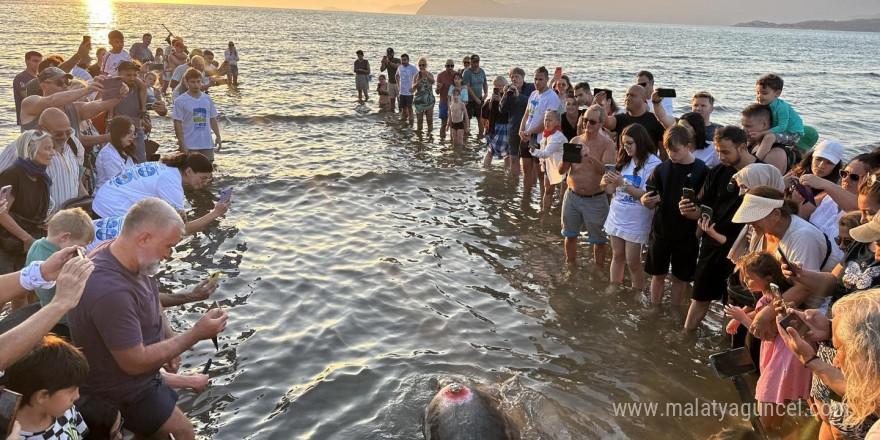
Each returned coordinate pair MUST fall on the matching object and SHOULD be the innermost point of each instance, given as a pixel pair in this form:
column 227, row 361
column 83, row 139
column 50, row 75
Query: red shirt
column 444, row 78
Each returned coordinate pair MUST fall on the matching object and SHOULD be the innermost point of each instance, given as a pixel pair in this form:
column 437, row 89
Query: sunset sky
column 664, row 11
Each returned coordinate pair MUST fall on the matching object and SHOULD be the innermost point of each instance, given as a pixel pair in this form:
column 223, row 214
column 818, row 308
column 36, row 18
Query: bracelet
column 811, row 359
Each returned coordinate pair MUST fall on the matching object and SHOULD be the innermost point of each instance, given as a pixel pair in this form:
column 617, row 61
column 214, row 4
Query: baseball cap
column 389, row 50
column 868, row 232
column 831, row 150
column 52, row 74
column 808, row 139
column 127, row 65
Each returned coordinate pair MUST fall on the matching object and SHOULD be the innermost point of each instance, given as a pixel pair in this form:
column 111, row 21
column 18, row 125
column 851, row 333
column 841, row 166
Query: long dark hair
column 119, row 128
column 698, row 124
column 195, row 161
column 805, row 166
column 643, row 147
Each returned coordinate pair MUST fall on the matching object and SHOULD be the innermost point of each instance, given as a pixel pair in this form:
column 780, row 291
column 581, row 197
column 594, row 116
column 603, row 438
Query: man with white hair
column 121, row 328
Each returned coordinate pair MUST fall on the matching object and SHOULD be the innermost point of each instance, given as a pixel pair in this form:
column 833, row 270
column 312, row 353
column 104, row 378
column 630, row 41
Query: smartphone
column 706, row 212
column 225, row 195
column 9, row 402
column 610, row 168
column 795, row 321
column 607, row 93
column 650, row 188
column 5, row 191
column 87, row 39
column 207, row 366
column 111, row 88
column 735, row 362
column 557, row 75
column 688, row 194
column 782, row 255
column 666, row 93
column 571, row 152
column 80, row 252
column 805, row 193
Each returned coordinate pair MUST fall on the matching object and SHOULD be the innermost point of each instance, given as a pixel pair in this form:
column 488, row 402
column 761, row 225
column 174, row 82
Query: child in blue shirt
column 787, row 126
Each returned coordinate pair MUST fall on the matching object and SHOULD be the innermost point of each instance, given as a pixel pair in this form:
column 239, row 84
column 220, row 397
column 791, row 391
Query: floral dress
column 424, row 96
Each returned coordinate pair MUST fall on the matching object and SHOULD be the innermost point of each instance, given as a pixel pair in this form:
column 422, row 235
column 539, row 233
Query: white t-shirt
column 231, row 57
column 708, row 155
column 109, row 163
column 195, row 115
column 179, row 71
column 667, row 105
column 825, row 218
column 538, row 104
column 626, row 213
column 407, row 73
column 148, row 179
column 112, row 60
column 551, row 155
column 105, row 229
column 182, row 88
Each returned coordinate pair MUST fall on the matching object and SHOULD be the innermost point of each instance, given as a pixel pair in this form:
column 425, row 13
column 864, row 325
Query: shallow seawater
column 363, row 261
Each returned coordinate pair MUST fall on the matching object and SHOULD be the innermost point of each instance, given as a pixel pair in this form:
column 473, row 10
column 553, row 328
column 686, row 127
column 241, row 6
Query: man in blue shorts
column 123, row 332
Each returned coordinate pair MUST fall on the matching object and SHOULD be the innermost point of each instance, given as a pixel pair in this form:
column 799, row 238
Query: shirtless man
column 585, row 202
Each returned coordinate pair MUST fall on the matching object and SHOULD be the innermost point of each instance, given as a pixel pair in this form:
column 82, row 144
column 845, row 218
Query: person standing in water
column 230, row 55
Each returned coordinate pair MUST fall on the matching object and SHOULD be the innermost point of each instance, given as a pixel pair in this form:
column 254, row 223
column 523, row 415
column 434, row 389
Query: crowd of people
column 725, row 211
column 88, row 211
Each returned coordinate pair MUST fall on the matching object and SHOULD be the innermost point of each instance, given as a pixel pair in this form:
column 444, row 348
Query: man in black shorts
column 515, row 102
column 713, row 267
column 122, row 329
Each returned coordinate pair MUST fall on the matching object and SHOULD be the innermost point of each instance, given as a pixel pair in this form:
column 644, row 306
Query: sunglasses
column 450, row 65
column 467, row 63
column 848, row 174
column 594, row 122
column 843, row 241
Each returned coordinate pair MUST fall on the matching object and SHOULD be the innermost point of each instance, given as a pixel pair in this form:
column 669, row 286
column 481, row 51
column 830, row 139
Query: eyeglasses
column 849, row 174
column 843, row 241
column 466, row 63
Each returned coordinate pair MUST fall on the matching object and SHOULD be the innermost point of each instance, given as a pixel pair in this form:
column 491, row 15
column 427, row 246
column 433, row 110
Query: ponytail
column 195, row 161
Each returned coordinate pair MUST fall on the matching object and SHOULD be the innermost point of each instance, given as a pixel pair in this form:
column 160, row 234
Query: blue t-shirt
column 476, row 80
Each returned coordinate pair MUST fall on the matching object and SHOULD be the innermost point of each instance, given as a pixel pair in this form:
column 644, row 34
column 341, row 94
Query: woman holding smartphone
column 423, row 95
column 629, row 222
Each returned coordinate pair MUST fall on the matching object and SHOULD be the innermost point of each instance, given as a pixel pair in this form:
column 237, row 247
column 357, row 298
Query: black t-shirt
column 724, row 202
column 669, row 178
column 647, row 120
column 392, row 71
column 567, row 129
column 31, row 197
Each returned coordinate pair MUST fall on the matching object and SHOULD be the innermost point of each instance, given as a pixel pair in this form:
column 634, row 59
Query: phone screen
column 732, row 362
column 795, row 321
column 9, row 401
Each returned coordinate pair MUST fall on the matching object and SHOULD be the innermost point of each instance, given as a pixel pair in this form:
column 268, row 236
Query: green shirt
column 785, row 119
column 41, row 250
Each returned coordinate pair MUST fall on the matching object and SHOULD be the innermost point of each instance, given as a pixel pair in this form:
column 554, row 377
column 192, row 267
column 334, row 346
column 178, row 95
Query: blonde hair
column 28, row 143
column 74, row 221
column 857, row 316
column 500, row 79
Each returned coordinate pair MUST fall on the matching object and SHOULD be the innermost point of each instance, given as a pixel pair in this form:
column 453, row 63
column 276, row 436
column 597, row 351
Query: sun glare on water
column 102, row 18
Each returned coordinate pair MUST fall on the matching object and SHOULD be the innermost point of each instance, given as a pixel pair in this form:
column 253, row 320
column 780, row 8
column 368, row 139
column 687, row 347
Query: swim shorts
column 787, row 138
column 590, row 210
column 393, row 90
column 513, row 140
column 405, row 101
column 360, row 82
column 498, row 142
column 458, row 125
column 150, row 409
column 473, row 109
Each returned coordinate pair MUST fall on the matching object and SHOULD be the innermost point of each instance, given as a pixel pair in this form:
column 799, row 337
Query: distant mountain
column 859, row 25
column 477, row 8
column 403, row 8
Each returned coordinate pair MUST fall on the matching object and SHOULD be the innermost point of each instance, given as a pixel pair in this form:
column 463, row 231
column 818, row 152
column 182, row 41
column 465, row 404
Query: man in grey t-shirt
column 141, row 51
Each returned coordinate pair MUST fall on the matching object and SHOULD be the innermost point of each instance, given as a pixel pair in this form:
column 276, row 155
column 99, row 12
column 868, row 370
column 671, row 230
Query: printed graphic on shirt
column 200, row 118
column 143, row 170
column 636, row 182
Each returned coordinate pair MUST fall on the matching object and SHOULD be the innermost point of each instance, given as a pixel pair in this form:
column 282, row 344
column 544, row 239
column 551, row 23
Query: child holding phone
column 783, row 377
column 674, row 238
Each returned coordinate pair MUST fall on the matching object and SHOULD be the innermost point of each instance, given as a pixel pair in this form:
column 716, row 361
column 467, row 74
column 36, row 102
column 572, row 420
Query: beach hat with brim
column 868, row 232
column 810, row 137
column 755, row 208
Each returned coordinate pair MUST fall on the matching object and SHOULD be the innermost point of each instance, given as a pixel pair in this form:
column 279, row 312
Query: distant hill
column 859, row 25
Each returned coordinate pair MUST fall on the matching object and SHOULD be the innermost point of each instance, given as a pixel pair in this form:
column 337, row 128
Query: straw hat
column 868, row 232
column 755, row 208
